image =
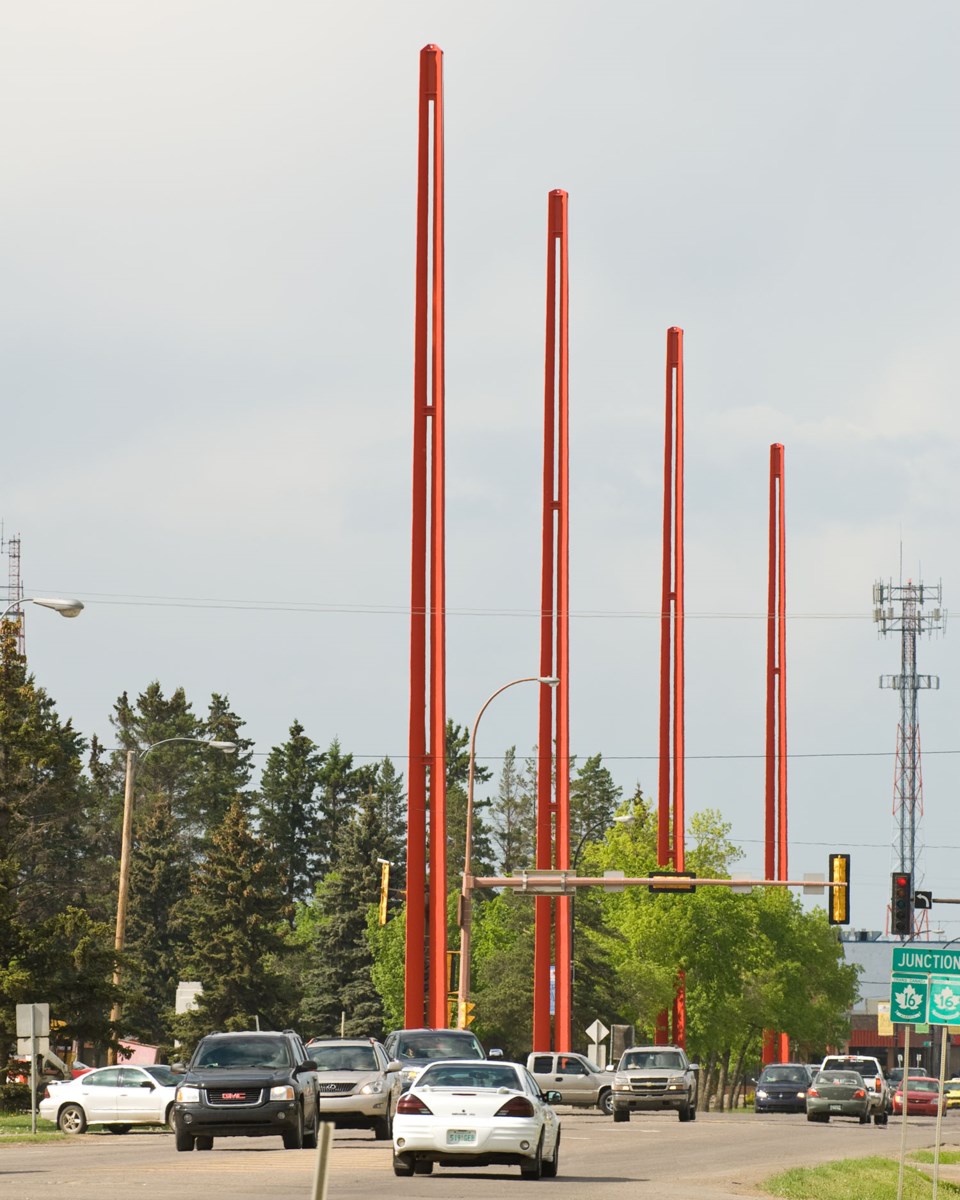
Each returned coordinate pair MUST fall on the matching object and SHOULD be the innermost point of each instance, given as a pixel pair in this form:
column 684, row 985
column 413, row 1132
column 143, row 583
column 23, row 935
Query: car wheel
column 169, row 1120
column 693, row 1109
column 532, row 1168
column 422, row 1167
column 865, row 1117
column 551, row 1165
column 293, row 1138
column 811, row 1116
column 382, row 1128
column 312, row 1135
column 204, row 1143
column 184, row 1140
column 402, row 1165
column 884, row 1117
column 605, row 1103
column 119, row 1128
column 621, row 1114
column 72, row 1119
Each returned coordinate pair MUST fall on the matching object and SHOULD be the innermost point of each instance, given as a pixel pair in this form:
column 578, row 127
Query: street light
column 66, row 608
column 466, row 898
column 126, row 842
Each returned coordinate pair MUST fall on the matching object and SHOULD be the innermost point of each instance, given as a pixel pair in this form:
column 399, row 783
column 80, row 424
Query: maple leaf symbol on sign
column 947, row 1000
column 909, row 998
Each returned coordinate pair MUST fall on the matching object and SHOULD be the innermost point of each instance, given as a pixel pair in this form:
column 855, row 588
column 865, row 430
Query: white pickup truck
column 655, row 1077
column 578, row 1080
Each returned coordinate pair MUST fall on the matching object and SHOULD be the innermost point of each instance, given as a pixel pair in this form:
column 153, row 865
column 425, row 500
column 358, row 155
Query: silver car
column 355, row 1087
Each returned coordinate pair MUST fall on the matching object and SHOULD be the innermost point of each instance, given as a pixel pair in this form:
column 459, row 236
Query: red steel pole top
column 431, row 57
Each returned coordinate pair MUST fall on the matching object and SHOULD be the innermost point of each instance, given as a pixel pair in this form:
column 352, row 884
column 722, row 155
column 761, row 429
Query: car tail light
column 859, row 1094
column 516, row 1106
column 812, row 1091
column 412, row 1106
column 877, row 1085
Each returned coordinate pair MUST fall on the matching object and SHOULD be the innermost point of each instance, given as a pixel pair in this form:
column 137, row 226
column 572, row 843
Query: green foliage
column 234, row 920
column 338, row 986
column 502, row 970
column 14, row 1098
column 387, row 971
column 513, row 817
column 855, row 1179
column 289, row 810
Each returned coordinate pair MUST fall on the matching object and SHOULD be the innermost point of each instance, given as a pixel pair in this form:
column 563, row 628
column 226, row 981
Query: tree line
column 267, row 892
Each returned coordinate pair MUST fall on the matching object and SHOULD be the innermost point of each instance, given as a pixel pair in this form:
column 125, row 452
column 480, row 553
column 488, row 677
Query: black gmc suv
column 256, row 1084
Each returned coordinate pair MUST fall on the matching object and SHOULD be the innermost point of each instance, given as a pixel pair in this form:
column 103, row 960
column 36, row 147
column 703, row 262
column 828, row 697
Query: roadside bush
column 14, row 1098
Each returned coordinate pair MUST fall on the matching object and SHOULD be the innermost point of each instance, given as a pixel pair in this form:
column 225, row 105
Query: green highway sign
column 925, row 986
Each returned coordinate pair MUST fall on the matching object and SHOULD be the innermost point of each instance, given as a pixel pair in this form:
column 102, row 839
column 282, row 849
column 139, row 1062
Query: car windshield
column 652, row 1060
column 430, row 1046
column 162, row 1074
column 242, row 1052
column 458, row 1075
column 343, row 1058
column 784, row 1075
column 923, row 1085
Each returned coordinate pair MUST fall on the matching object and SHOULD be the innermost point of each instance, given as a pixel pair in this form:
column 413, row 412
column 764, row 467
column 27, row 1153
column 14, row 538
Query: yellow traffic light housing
column 838, row 906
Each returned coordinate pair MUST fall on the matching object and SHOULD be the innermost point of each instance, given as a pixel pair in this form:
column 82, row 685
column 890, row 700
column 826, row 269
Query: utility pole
column 899, row 608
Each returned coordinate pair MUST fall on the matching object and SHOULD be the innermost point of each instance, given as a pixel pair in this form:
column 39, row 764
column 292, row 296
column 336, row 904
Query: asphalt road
column 718, row 1157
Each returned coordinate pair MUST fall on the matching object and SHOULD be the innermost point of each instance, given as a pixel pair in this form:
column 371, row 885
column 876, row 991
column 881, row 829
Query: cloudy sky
column 207, row 345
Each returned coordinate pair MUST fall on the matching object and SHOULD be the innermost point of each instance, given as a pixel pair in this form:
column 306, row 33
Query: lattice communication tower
column 899, row 608
column 11, row 546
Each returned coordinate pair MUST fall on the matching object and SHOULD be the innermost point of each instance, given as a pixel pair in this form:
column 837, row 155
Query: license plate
column 457, row 1137
column 836, row 1108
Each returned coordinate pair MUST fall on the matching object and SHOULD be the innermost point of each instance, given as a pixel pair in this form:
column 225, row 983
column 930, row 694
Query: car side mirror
column 145, row 1083
column 553, row 1097
column 178, row 1068
column 495, row 1054
column 309, row 1065
column 393, row 1065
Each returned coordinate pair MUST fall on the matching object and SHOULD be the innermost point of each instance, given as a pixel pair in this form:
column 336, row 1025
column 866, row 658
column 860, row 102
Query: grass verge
column 857, row 1179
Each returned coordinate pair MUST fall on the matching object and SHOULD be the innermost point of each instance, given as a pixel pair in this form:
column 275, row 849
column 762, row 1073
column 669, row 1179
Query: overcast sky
column 207, row 342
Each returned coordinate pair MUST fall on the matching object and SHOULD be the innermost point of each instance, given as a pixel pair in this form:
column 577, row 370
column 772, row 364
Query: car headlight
column 281, row 1093
column 374, row 1086
column 762, row 1095
column 801, row 1095
column 188, row 1095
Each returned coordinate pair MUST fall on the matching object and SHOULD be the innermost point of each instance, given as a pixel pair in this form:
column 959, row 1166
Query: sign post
column 33, row 1024
column 925, row 990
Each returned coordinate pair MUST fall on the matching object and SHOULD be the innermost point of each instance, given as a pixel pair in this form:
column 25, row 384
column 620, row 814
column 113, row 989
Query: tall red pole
column 670, row 799
column 427, row 769
column 776, row 1047
column 553, row 817
column 564, row 911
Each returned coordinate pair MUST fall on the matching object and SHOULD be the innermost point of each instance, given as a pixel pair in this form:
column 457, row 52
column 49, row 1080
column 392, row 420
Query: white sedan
column 464, row 1113
column 117, row 1097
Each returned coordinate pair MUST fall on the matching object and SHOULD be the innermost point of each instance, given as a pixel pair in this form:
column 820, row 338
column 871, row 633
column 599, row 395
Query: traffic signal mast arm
column 554, row 882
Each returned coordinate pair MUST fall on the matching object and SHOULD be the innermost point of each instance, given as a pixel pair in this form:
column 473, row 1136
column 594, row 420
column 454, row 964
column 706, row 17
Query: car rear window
column 439, row 1045
column 456, row 1075
column 343, row 1058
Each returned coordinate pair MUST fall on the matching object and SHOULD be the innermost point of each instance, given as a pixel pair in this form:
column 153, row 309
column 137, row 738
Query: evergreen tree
column 234, row 921
column 593, row 800
column 289, row 812
column 221, row 777
column 388, row 788
column 160, row 872
column 458, row 774
column 43, row 795
column 339, row 979
column 341, row 787
column 513, row 818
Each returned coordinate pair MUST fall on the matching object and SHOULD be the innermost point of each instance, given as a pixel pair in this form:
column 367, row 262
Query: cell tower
column 910, row 622
column 11, row 546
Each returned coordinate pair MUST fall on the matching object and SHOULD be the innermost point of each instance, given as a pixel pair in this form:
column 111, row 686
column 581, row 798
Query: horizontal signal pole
column 562, row 882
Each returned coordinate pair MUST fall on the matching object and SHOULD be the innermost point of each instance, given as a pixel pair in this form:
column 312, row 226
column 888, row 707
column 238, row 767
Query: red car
column 923, row 1097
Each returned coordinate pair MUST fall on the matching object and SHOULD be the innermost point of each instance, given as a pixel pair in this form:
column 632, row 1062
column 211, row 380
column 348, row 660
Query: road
column 719, row 1157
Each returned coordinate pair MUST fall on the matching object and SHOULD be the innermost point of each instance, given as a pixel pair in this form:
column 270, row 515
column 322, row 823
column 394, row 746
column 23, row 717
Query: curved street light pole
column 65, row 607
column 466, row 892
column 126, row 846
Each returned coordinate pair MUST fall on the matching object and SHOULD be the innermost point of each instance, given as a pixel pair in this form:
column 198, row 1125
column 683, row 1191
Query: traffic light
column 465, row 1014
column 838, row 905
column 901, row 904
